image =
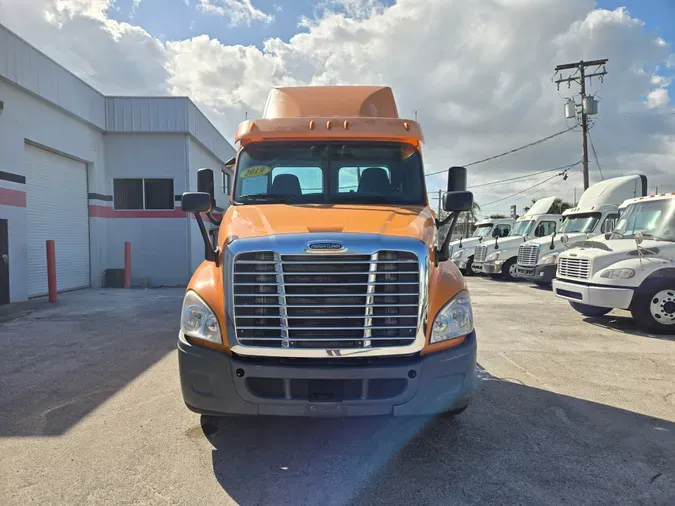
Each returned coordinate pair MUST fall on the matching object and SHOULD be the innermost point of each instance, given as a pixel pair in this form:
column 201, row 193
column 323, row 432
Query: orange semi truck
column 327, row 292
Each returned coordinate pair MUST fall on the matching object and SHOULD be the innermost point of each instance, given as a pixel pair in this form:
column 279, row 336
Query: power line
column 595, row 155
column 523, row 191
column 531, row 144
column 563, row 167
column 526, row 175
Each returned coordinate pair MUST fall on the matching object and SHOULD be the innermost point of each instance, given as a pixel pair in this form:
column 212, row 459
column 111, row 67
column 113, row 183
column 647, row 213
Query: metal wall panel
column 25, row 66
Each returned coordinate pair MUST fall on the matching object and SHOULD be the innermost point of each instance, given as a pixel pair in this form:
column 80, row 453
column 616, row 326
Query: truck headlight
column 455, row 319
column 492, row 257
column 198, row 320
column 618, row 274
column 457, row 254
column 551, row 259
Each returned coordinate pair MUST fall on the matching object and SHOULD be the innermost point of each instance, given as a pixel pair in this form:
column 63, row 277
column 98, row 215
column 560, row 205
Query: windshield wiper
column 266, row 197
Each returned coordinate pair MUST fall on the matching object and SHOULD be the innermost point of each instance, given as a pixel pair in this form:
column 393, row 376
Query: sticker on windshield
column 255, row 171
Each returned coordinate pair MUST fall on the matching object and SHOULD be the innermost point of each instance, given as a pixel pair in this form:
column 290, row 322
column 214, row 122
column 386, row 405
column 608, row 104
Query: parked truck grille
column 578, row 268
column 326, row 301
column 480, row 253
column 528, row 255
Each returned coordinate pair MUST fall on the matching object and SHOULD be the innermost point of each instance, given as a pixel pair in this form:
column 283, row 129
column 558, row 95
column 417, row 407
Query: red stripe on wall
column 109, row 212
column 14, row 198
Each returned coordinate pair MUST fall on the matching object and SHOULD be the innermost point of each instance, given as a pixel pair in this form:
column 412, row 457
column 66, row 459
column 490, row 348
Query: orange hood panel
column 274, row 219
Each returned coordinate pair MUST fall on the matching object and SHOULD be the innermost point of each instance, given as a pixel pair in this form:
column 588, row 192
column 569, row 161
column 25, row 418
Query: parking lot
column 569, row 410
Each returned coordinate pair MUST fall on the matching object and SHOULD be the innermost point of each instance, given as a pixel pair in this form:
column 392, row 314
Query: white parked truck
column 596, row 213
column 631, row 268
column 498, row 257
column 463, row 249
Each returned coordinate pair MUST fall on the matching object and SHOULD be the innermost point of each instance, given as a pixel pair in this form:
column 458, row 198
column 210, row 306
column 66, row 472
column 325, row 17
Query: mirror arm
column 445, row 221
column 443, row 253
column 210, row 253
column 213, row 220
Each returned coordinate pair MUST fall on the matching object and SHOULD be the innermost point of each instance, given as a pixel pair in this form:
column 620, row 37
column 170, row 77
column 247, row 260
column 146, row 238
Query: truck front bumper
column 492, row 268
column 538, row 274
column 599, row 296
column 219, row 384
column 461, row 264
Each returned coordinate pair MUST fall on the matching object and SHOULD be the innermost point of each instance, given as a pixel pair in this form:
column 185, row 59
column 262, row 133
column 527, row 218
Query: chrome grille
column 528, row 255
column 326, row 301
column 480, row 253
column 578, row 268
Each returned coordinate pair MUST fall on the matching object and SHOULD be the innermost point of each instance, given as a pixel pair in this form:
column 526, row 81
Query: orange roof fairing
column 331, row 102
column 330, row 112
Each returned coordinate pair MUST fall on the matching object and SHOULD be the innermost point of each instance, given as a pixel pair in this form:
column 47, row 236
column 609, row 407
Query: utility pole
column 575, row 196
column 587, row 106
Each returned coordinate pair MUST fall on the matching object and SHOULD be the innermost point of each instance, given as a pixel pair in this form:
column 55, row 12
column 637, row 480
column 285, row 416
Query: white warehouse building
column 91, row 172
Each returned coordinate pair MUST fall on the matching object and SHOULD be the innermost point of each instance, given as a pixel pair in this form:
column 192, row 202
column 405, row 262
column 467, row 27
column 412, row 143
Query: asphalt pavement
column 569, row 410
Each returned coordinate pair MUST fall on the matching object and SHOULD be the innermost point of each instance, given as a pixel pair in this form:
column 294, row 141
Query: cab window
column 545, row 228
column 503, row 230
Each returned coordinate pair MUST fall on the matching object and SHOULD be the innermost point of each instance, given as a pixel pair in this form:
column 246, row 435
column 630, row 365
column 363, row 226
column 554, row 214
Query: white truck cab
column 631, row 268
column 463, row 249
column 596, row 213
column 498, row 257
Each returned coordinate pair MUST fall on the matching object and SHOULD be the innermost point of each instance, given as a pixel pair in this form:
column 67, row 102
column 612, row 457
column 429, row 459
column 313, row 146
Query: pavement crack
column 655, row 477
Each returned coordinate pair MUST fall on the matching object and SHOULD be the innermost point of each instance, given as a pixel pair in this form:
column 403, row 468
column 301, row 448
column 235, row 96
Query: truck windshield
column 330, row 173
column 483, row 230
column 655, row 219
column 522, row 227
column 583, row 223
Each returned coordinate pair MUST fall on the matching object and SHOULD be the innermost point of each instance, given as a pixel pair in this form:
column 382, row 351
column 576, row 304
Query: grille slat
column 528, row 255
column 480, row 253
column 312, row 301
column 577, row 268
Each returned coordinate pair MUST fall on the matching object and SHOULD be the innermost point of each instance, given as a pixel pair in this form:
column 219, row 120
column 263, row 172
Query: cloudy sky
column 477, row 72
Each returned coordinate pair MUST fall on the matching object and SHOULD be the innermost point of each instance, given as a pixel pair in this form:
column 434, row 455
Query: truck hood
column 574, row 240
column 603, row 253
column 245, row 221
column 596, row 247
column 469, row 242
column 511, row 242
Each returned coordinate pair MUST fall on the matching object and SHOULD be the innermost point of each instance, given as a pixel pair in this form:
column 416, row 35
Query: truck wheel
column 587, row 310
column 510, row 270
column 468, row 271
column 654, row 308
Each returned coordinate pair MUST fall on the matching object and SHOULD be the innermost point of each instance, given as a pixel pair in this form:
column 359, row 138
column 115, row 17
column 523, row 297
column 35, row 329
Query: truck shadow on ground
column 625, row 325
column 514, row 445
column 61, row 361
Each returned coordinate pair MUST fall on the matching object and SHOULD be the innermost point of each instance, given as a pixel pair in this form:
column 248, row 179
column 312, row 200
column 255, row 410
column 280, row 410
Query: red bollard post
column 127, row 265
column 51, row 271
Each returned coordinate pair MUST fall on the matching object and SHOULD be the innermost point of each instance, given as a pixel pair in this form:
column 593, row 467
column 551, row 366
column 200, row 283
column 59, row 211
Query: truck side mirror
column 196, row 202
column 205, row 183
column 457, row 201
column 496, row 233
column 608, row 225
column 456, row 179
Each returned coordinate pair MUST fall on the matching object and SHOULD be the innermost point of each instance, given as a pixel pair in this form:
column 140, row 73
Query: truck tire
column 587, row 310
column 468, row 271
column 653, row 307
column 510, row 270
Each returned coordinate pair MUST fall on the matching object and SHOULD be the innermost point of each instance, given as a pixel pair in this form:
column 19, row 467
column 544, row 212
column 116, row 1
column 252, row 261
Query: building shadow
column 61, row 361
column 514, row 445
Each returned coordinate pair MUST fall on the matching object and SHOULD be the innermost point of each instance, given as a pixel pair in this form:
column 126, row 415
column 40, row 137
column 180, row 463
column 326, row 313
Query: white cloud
column 657, row 98
column 478, row 74
column 238, row 11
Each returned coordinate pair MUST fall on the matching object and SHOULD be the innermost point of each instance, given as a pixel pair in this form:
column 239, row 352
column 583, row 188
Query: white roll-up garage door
column 56, row 208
